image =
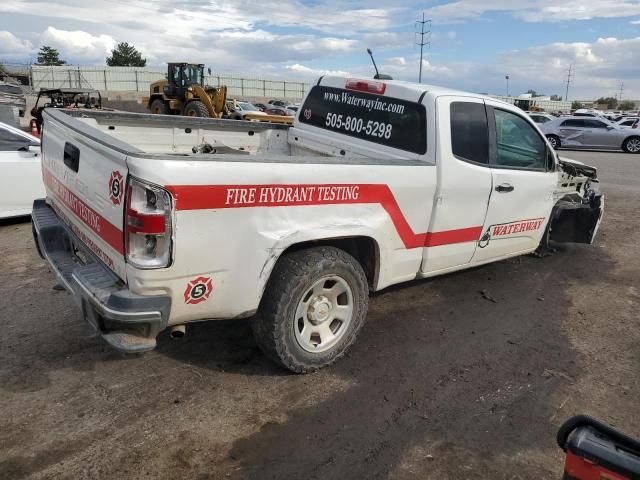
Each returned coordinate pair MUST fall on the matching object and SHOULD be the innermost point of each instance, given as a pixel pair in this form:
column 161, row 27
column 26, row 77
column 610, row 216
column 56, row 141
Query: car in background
column 13, row 96
column 540, row 117
column 628, row 122
column 261, row 106
column 238, row 110
column 20, row 172
column 278, row 111
column 587, row 132
column 278, row 103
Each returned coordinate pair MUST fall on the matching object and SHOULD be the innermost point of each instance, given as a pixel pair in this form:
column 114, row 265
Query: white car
column 241, row 109
column 20, row 172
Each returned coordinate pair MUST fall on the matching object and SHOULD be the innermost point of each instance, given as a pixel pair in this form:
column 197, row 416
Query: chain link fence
column 133, row 79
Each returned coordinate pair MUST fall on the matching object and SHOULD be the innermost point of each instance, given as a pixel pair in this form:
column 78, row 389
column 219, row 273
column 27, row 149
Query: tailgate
column 85, row 172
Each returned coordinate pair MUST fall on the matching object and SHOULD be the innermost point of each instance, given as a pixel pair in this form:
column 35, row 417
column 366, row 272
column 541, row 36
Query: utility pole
column 566, row 92
column 422, row 43
column 621, row 90
column 506, row 77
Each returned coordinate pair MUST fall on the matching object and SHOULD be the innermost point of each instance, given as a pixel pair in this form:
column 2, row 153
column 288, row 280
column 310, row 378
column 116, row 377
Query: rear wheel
column 158, row 107
column 313, row 308
column 554, row 141
column 196, row 109
column 631, row 145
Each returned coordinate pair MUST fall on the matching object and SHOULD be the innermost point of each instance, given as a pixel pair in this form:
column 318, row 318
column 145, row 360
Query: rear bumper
column 127, row 321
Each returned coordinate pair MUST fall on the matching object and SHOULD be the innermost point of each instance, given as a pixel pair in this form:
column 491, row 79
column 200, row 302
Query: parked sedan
column 590, row 132
column 20, row 173
column 278, row 111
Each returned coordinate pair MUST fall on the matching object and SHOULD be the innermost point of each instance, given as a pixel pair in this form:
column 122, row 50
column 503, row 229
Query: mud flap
column 574, row 222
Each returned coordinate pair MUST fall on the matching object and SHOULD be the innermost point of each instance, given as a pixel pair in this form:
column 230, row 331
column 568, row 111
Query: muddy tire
column 158, row 107
column 631, row 145
column 554, row 141
column 196, row 109
column 313, row 307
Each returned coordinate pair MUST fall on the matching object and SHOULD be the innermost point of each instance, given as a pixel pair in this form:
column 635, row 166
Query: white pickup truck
column 152, row 222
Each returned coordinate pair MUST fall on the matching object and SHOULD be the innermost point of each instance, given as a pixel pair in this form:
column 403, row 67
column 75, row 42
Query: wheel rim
column 323, row 315
column 633, row 145
column 191, row 113
column 552, row 142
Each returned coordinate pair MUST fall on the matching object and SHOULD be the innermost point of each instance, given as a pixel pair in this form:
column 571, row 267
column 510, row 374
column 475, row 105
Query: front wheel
column 631, row 145
column 554, row 141
column 196, row 109
column 313, row 307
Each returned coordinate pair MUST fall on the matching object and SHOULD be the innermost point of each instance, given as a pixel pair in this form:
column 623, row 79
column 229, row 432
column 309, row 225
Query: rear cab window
column 470, row 132
column 380, row 119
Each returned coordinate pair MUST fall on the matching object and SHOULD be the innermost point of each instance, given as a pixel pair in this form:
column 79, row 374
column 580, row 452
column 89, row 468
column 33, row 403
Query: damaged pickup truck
column 153, row 222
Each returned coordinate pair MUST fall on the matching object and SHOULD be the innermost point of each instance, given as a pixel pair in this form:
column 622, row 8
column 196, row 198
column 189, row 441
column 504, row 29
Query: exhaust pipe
column 178, row 331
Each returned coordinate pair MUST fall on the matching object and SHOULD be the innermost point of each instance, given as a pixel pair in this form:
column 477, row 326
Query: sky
column 474, row 44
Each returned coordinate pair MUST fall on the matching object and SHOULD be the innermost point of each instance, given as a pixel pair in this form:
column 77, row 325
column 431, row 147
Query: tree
column 125, row 55
column 627, row 105
column 556, row 98
column 575, row 105
column 49, row 56
column 533, row 93
column 610, row 102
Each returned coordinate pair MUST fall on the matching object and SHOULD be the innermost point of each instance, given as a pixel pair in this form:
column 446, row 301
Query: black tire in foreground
column 554, row 141
column 196, row 109
column 631, row 145
column 313, row 307
column 158, row 107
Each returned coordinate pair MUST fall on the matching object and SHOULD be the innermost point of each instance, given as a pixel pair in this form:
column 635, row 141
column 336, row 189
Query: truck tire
column 313, row 307
column 158, row 107
column 554, row 141
column 631, row 145
column 196, row 109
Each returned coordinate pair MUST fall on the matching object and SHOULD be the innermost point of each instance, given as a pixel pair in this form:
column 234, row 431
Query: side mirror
column 34, row 148
column 610, row 127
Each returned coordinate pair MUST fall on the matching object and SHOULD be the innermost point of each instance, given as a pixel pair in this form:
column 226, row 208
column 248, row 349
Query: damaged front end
column 577, row 213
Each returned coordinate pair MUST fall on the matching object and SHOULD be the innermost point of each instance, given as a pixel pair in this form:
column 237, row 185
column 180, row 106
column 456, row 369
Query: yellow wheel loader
column 183, row 93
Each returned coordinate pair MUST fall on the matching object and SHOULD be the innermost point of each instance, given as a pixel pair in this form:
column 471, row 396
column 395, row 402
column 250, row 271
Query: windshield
column 193, row 74
column 248, row 106
column 13, row 89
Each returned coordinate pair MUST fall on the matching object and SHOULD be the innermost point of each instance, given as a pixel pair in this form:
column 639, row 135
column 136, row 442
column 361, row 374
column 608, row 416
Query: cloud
column 533, row 10
column 635, row 22
column 13, row 46
column 78, row 45
column 304, row 71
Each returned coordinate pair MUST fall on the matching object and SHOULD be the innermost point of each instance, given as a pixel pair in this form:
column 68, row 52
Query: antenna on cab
column 378, row 75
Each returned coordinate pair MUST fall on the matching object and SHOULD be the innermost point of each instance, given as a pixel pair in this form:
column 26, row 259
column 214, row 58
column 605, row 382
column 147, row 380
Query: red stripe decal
column 108, row 232
column 205, row 197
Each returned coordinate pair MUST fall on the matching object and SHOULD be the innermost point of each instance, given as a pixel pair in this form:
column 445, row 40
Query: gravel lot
column 441, row 383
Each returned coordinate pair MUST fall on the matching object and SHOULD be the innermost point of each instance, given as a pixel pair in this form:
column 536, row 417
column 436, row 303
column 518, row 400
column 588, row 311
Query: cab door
column 464, row 183
column 524, row 178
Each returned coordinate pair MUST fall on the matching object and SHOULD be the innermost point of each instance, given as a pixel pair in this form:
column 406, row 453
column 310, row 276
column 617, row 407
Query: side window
column 574, row 122
column 470, row 131
column 11, row 142
column 518, row 144
column 594, row 124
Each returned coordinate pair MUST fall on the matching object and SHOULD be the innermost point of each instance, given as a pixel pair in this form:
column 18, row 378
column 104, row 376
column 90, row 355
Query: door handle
column 504, row 188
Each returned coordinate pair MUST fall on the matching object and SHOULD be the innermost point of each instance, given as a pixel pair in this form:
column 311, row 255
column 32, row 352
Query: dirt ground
column 441, row 384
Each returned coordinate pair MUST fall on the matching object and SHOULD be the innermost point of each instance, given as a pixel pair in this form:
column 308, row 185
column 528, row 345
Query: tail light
column 148, row 226
column 366, row 86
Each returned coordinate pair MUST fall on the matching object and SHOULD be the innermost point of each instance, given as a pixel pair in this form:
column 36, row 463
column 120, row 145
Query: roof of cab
column 408, row 90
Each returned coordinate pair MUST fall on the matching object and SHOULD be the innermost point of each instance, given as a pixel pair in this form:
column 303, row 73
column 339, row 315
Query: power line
column 566, row 92
column 422, row 43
